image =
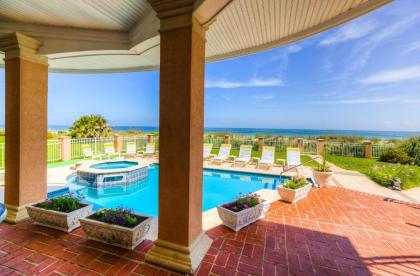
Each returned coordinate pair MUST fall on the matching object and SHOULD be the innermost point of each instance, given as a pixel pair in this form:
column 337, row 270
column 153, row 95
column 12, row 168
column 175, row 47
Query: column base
column 178, row 257
column 16, row 214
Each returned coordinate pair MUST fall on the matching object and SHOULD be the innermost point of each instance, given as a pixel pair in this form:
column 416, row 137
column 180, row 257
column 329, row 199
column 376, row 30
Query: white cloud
column 254, row 82
column 361, row 53
column 413, row 46
column 263, row 96
column 351, row 31
column 361, row 101
column 396, row 75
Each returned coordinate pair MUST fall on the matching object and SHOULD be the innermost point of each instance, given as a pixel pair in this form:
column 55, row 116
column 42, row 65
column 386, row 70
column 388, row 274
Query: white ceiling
column 114, row 36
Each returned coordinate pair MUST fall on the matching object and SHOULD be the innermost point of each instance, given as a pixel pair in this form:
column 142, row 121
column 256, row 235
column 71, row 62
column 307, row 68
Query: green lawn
column 279, row 155
column 381, row 172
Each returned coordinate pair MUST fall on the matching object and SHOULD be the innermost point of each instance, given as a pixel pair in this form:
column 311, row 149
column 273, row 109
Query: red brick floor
column 332, row 232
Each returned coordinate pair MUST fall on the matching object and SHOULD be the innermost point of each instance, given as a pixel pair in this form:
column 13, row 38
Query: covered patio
column 333, row 231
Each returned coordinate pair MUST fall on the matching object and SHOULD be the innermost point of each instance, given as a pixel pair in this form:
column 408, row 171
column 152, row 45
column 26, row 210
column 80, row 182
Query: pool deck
column 334, row 231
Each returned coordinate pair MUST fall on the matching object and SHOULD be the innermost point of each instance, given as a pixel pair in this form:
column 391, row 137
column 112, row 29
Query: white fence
column 2, row 147
column 97, row 145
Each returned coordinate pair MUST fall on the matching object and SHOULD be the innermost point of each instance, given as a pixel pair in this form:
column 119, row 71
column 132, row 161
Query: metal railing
column 281, row 144
column 140, row 141
column 345, row 149
column 379, row 149
column 2, row 147
column 97, row 145
column 53, row 150
column 309, row 147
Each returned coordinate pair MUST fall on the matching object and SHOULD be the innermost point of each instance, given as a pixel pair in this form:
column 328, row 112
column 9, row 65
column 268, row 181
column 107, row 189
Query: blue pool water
column 218, row 187
column 114, row 165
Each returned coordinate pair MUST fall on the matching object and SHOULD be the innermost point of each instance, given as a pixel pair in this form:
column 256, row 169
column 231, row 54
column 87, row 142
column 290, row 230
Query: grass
column 306, row 160
column 381, row 172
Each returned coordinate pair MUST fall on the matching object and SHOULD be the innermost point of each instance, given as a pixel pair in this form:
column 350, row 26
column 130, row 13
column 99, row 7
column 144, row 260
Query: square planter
column 293, row 196
column 238, row 220
column 66, row 222
column 116, row 235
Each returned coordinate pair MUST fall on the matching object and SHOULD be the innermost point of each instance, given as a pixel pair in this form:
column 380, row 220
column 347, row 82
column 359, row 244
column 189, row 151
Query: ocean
column 284, row 132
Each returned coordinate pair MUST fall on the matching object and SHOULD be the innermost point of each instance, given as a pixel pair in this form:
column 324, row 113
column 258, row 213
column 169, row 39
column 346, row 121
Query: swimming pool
column 218, row 187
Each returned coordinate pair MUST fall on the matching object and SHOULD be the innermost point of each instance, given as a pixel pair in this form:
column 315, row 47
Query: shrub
column 65, row 204
column 412, row 148
column 243, row 202
column 385, row 175
column 118, row 216
column 323, row 167
column 296, row 182
column 396, row 155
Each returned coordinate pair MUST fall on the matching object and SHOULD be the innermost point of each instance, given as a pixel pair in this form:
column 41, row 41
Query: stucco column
column 226, row 139
column 368, row 149
column 301, row 145
column 26, row 124
column 150, row 138
column 118, row 143
column 320, row 146
column 65, row 148
column 260, row 143
column 181, row 243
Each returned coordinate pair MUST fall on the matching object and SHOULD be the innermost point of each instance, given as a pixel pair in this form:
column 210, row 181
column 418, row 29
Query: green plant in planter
column 296, row 182
column 65, row 204
column 118, row 216
column 243, row 202
column 323, row 167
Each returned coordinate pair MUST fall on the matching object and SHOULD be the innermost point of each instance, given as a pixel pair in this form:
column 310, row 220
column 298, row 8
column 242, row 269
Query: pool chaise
column 224, row 153
column 244, row 158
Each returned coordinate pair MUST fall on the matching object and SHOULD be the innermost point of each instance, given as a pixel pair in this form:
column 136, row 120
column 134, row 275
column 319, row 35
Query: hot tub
column 111, row 173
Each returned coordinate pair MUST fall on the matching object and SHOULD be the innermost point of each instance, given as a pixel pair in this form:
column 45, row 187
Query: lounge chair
column 224, row 153
column 88, row 153
column 245, row 152
column 292, row 158
column 131, row 149
column 150, row 150
column 267, row 157
column 207, row 151
column 110, row 150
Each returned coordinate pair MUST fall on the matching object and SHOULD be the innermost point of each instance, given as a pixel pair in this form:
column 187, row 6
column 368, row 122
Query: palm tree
column 90, row 126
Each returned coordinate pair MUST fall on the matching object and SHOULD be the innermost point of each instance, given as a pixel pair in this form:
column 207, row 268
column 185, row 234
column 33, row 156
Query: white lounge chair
column 207, row 151
column 150, row 150
column 88, row 152
column 131, row 149
column 245, row 152
column 292, row 158
column 110, row 150
column 224, row 153
column 267, row 157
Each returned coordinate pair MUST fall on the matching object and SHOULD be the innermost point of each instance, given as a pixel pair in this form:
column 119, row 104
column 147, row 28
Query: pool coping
column 86, row 167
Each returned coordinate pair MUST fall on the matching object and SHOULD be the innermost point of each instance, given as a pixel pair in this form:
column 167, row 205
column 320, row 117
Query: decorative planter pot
column 323, row 179
column 293, row 196
column 238, row 220
column 116, row 235
column 66, row 222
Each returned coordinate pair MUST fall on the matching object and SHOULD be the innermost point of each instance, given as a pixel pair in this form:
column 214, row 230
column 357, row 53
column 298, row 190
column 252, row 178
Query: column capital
column 176, row 14
column 18, row 45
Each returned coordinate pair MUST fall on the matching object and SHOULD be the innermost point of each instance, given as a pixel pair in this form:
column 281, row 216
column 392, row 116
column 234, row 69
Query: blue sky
column 362, row 75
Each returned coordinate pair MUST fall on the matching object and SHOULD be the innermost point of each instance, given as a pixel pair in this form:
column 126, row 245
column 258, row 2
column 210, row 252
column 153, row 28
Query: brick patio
column 333, row 232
